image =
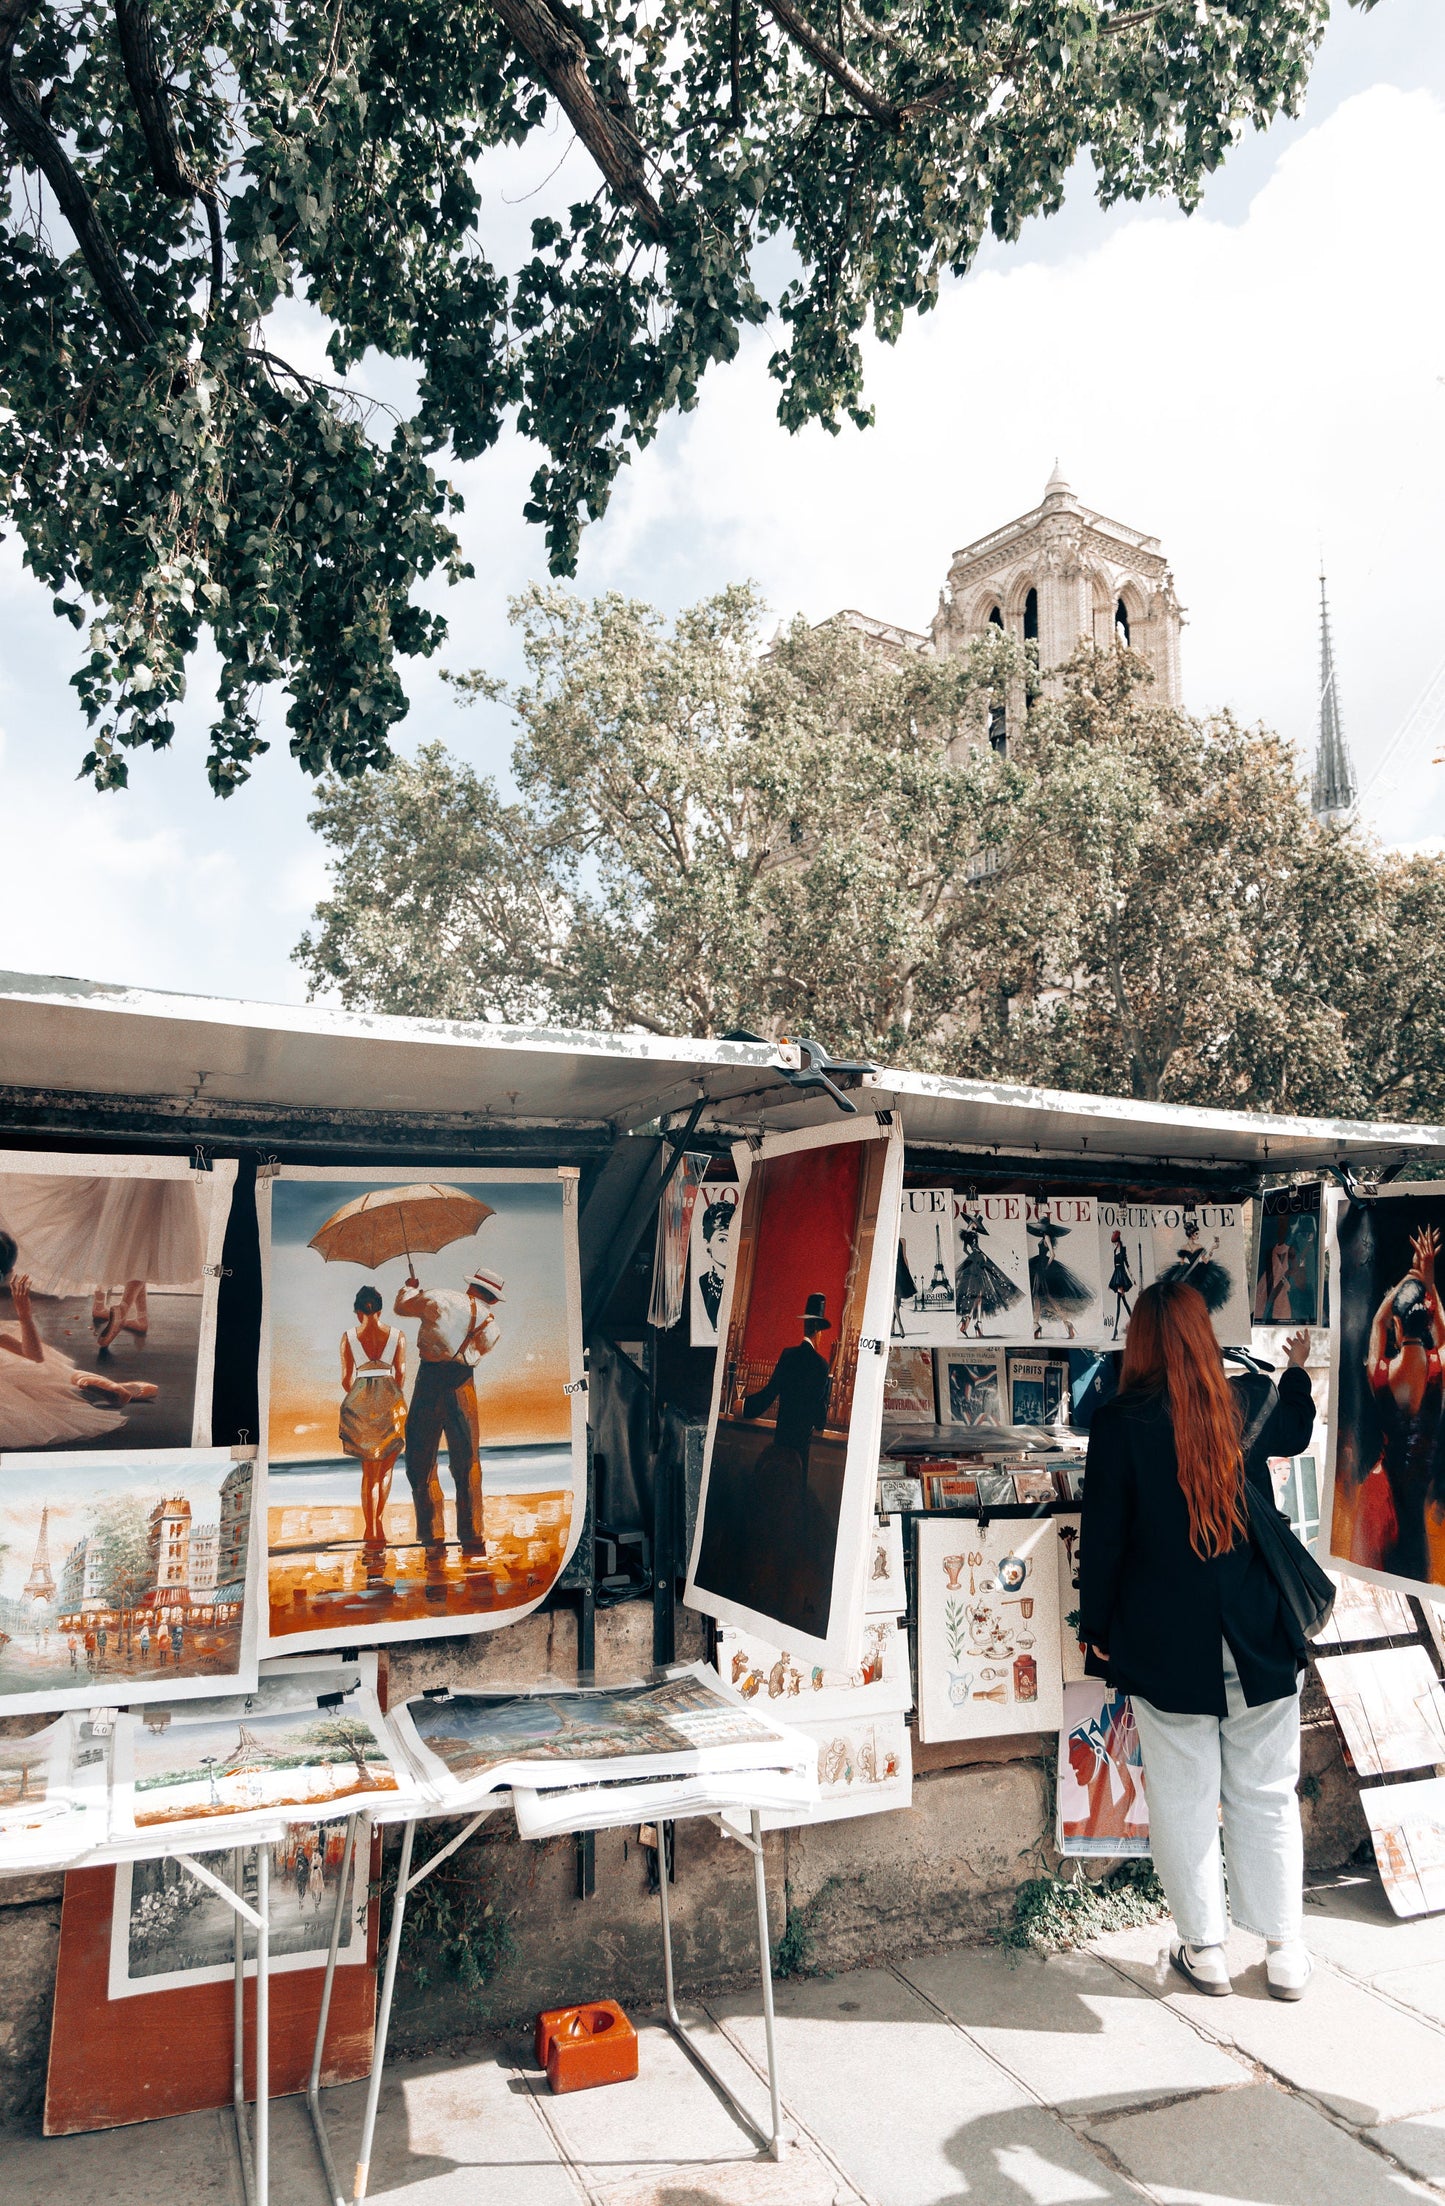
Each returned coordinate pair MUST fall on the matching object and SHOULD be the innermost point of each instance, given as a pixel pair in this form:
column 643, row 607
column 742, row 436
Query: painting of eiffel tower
column 39, row 1587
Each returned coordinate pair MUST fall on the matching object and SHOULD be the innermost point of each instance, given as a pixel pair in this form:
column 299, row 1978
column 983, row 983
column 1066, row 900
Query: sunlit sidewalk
column 968, row 2075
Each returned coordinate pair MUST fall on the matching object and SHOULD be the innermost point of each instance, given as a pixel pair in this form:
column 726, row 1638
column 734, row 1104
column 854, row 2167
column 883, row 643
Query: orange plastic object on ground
column 582, row 2046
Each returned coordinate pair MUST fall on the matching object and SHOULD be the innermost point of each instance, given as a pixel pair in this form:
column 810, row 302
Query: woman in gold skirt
column 373, row 1417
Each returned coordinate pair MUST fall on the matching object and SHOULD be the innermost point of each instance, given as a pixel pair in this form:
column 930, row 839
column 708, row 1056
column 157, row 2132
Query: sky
column 1257, row 385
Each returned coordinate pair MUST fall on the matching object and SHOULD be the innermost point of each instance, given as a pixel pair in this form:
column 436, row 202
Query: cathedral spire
column 1332, row 788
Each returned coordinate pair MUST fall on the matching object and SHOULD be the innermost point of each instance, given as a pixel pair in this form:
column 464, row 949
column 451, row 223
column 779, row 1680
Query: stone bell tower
column 1061, row 575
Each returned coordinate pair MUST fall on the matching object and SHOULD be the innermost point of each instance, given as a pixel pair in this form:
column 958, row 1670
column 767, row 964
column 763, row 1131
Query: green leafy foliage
column 181, row 184
column 1052, row 1914
column 452, row 1925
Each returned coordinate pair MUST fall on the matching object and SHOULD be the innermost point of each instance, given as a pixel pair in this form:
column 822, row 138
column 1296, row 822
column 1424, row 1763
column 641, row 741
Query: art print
column 1126, row 1262
column 884, row 1590
column 1071, row 1647
column 991, row 1267
column 1204, row 1244
column 1364, row 1610
column 865, row 1767
column 1038, row 1388
column 897, row 1494
column 55, row 1793
column 1102, row 1809
column 923, row 1287
column 422, row 1399
column 988, row 1627
column 168, row 1930
column 674, row 1237
column 808, row 1693
column 126, row 1578
column 1384, row 1509
column 1065, row 1290
column 970, row 1389
column 1390, row 1707
column 713, row 1219
column 908, row 1392
column 1289, row 1268
column 1407, row 1828
column 109, row 1273
column 789, row 1476
column 287, row 1751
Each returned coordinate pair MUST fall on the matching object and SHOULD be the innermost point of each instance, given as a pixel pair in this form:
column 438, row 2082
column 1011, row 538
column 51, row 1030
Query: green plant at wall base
column 1052, row 1914
column 1310, row 1787
column 452, row 1926
column 793, row 1953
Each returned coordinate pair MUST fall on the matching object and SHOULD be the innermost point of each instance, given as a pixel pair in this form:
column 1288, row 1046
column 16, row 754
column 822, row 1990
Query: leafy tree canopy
column 816, row 839
column 177, row 172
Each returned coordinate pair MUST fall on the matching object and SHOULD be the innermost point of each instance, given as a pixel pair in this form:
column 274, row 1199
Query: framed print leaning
column 422, row 1399
column 109, row 1273
column 988, row 1627
column 126, row 1578
column 1384, row 1505
column 797, row 1406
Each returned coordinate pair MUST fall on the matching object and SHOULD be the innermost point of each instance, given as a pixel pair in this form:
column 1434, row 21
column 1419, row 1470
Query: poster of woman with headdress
column 1203, row 1244
column 991, row 1266
column 1064, row 1268
column 1384, row 1508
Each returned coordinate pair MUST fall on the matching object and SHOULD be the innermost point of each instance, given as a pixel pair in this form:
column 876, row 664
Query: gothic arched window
column 1121, row 623
column 996, row 616
column 1031, row 617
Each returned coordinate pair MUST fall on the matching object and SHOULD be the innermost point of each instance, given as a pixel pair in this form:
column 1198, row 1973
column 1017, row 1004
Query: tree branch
column 802, row 33
column 169, row 166
column 21, row 114
column 559, row 57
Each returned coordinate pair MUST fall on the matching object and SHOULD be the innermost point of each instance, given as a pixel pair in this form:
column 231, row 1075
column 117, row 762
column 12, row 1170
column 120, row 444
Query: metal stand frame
column 407, row 1881
column 253, row 2151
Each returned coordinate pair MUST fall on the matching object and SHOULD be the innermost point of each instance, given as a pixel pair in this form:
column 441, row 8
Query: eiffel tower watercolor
column 40, row 1586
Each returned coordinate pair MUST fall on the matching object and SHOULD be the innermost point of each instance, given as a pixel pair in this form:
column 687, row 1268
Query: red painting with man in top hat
column 775, row 1530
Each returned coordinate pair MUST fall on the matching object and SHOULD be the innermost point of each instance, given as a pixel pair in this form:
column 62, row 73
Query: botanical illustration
column 108, row 1269
column 424, row 1448
column 988, row 1626
column 124, row 1578
column 1071, row 1647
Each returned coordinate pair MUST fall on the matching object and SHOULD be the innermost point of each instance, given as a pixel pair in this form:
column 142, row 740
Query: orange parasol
column 398, row 1221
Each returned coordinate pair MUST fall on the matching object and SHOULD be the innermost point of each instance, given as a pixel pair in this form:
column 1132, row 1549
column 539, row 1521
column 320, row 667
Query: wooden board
column 169, row 2052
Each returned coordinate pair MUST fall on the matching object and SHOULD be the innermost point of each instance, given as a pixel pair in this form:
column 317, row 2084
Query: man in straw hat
column 458, row 1328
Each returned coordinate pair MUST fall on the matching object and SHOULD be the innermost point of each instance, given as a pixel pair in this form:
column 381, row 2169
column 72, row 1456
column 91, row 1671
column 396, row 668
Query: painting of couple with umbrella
column 425, row 1458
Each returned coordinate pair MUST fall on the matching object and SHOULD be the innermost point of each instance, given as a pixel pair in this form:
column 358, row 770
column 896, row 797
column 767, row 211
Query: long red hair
column 1170, row 1349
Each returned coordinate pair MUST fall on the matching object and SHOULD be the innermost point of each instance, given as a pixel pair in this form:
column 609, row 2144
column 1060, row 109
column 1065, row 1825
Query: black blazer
column 1161, row 1611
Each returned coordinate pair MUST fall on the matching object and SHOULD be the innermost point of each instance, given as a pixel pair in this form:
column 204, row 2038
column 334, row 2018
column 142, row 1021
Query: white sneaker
column 1288, row 1969
column 1204, row 1967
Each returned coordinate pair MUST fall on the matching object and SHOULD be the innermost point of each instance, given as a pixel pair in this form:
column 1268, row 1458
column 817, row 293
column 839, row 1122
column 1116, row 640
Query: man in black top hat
column 799, row 1385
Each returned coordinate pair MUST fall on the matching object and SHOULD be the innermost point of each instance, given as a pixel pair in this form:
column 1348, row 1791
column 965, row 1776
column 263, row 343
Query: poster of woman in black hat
column 792, row 1458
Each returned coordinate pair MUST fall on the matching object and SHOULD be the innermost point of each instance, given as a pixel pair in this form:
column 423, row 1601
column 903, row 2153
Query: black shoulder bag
column 1306, row 1592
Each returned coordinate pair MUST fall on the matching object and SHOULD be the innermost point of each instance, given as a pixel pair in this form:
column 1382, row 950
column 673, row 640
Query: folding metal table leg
column 383, row 2011
column 771, row 2143
column 238, row 2041
column 334, row 2191
column 263, row 2026
column 255, row 2162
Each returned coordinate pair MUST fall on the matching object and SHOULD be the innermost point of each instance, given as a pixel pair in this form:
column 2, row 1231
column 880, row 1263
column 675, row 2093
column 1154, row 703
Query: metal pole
column 263, row 2025
column 313, row 2086
column 672, row 2014
column 765, row 1964
column 383, row 2012
column 238, row 2037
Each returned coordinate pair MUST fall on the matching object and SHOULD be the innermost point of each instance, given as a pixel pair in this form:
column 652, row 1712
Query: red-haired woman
column 1180, row 1611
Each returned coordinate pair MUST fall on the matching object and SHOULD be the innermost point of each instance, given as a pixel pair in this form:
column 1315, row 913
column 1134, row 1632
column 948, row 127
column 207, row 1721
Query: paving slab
column 1256, row 2147
column 1349, row 1922
column 1418, row 2145
column 1422, row 1988
column 912, row 2111
column 192, row 2158
column 1353, row 2051
column 1076, row 2034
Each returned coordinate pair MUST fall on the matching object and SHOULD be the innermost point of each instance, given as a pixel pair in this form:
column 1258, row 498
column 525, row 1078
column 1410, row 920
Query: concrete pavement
column 967, row 2075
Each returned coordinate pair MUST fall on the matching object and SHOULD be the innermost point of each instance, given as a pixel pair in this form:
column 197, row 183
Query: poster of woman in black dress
column 1204, row 1244
column 989, row 1281
column 1064, row 1281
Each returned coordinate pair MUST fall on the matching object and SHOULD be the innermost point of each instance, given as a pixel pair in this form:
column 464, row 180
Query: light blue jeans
column 1245, row 1764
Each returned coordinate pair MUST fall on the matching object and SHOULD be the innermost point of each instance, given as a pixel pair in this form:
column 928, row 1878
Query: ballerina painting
column 984, row 1292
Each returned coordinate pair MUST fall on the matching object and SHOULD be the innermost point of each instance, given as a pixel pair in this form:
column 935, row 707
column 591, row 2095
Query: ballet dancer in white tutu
column 86, row 1232
column 43, row 1398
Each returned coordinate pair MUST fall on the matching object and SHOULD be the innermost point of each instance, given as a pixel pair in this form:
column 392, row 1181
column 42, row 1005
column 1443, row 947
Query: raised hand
column 20, row 1293
column 1424, row 1247
column 1297, row 1348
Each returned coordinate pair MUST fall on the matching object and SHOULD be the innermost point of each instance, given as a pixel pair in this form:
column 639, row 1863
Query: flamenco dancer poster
column 109, row 1272
column 426, row 1436
column 792, row 1449
column 1384, row 1508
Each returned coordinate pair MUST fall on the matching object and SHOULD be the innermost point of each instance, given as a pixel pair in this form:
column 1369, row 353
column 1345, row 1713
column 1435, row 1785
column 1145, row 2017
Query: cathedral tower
column 1332, row 785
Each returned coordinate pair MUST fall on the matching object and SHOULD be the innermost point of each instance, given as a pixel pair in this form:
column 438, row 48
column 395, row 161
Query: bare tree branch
column 169, row 166
column 559, row 56
column 20, row 111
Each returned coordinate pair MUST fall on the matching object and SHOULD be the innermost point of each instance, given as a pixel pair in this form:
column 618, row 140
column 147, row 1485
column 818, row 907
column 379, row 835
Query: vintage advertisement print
column 1384, row 1508
column 109, row 1272
column 924, row 1310
column 1065, row 1290
column 710, row 1245
column 1289, row 1270
column 792, row 1453
column 125, row 1578
column 908, row 1394
column 1102, row 1811
column 988, row 1627
column 970, row 1388
column 1126, row 1262
column 1407, row 1826
column 421, row 1398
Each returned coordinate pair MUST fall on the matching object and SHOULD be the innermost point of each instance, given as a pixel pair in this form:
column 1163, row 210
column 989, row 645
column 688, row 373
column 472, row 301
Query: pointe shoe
column 1202, row 1966
column 109, row 1330
column 1288, row 1969
column 139, row 1390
